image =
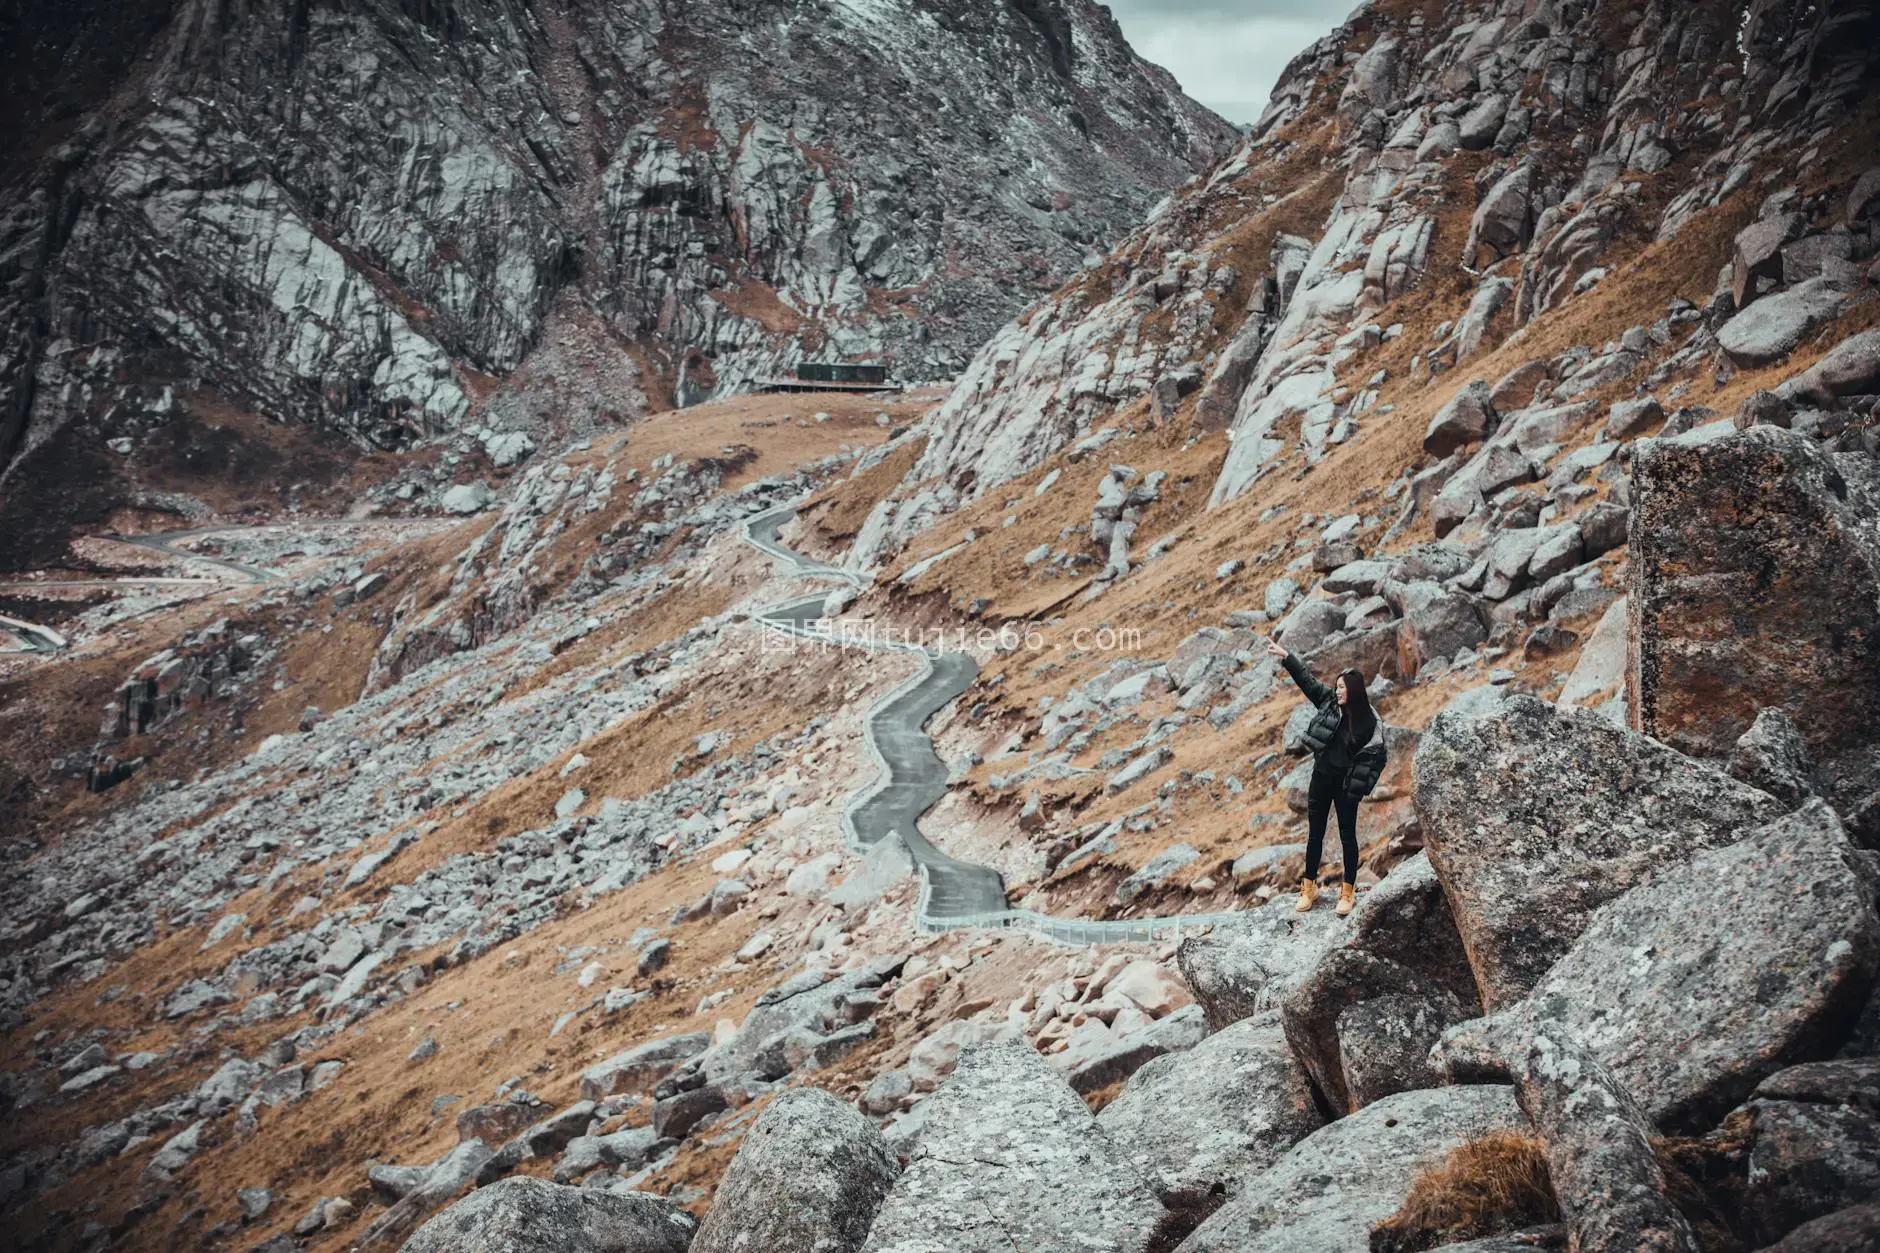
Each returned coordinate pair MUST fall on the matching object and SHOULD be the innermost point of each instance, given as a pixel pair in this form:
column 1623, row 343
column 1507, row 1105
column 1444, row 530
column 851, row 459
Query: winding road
column 42, row 639
column 911, row 779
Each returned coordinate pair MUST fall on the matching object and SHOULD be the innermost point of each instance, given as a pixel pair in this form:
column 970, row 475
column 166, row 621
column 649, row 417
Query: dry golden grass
column 1483, row 1187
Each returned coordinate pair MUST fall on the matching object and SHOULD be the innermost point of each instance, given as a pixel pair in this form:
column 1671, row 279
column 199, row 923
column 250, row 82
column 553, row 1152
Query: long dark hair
column 1359, row 723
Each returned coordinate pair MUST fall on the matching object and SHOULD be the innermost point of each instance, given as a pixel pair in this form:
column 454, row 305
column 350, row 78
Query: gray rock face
column 1663, row 991
column 1215, row 1116
column 1336, row 1184
column 1012, row 1158
column 1854, row 1230
column 808, row 1178
column 1384, row 1044
column 447, row 1177
column 1808, row 1159
column 1525, row 860
column 1401, row 941
column 525, row 1215
column 1468, row 417
column 1440, row 625
column 642, row 1065
column 1715, row 642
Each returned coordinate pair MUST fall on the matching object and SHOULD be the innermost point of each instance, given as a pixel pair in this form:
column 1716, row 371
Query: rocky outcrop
column 1779, row 608
column 533, row 1216
column 808, row 1178
column 1524, row 861
column 1273, row 277
column 1340, row 1181
column 1011, row 1157
column 1814, row 1151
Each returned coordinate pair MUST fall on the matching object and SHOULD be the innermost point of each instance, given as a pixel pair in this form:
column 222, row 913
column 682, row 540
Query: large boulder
column 1371, row 651
column 1401, row 942
column 1852, row 1230
column 1337, row 1183
column 1012, row 1158
column 1209, row 1119
column 1534, row 816
column 1758, row 253
column 809, row 1178
column 1712, row 975
column 1775, row 605
column 442, row 1182
column 640, row 1066
column 524, row 1215
column 1438, row 624
column 1468, row 417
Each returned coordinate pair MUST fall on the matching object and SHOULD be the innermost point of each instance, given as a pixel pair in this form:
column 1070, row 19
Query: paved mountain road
column 954, row 893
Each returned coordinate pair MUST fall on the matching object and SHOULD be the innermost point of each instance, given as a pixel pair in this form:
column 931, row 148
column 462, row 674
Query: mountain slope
column 369, row 217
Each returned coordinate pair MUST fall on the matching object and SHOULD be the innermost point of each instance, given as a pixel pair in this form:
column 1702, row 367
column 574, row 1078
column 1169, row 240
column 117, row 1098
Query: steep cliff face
column 369, row 216
column 1429, row 180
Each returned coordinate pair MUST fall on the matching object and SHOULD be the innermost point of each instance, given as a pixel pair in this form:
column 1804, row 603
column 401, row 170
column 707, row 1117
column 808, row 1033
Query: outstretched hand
column 1276, row 649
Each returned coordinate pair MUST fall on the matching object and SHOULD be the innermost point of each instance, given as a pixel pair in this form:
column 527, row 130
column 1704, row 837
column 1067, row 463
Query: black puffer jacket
column 1360, row 765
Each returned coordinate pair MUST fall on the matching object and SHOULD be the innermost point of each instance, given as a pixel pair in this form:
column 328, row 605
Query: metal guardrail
column 1074, row 931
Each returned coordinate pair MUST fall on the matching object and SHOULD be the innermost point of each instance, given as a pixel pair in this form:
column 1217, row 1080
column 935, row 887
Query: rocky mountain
column 1430, row 182
column 397, row 219
column 868, row 823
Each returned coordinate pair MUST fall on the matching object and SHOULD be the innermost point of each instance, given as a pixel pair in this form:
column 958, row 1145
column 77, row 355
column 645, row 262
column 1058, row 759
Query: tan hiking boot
column 1308, row 894
column 1347, row 899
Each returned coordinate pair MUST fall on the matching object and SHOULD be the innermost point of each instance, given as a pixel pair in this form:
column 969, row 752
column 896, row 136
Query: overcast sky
column 1226, row 53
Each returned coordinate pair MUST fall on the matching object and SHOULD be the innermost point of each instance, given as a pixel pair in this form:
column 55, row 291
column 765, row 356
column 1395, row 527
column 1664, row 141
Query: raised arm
column 1315, row 691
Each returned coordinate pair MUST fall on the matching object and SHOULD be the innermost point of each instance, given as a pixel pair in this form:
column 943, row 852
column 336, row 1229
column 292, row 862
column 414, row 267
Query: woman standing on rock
column 1345, row 767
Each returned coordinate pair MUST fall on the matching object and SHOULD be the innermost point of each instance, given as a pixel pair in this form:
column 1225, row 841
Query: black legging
column 1327, row 793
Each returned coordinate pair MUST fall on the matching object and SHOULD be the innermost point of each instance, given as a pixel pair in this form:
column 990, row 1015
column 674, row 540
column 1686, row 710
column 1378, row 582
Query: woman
column 1345, row 768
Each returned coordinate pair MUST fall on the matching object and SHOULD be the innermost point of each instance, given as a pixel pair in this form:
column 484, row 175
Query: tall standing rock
column 1774, row 602
column 1012, row 1158
column 809, row 1178
column 1535, row 816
